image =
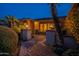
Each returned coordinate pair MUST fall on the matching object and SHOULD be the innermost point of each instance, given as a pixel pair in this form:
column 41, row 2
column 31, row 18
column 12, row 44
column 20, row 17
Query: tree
column 57, row 23
column 11, row 20
column 13, row 23
column 3, row 22
column 72, row 22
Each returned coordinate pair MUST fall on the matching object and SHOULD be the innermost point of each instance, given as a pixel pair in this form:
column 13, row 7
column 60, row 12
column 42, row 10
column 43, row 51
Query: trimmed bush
column 8, row 41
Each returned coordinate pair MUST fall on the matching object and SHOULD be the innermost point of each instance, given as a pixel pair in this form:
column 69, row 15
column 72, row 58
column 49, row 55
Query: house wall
column 42, row 24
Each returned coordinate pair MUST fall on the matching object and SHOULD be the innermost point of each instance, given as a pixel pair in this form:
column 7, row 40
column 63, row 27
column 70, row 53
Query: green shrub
column 8, row 41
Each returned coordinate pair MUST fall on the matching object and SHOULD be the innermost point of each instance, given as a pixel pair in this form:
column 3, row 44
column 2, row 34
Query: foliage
column 71, row 52
column 3, row 22
column 11, row 18
column 72, row 24
column 14, row 23
column 16, row 29
column 8, row 41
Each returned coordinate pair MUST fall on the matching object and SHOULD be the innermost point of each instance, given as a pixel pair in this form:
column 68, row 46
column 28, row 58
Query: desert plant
column 8, row 41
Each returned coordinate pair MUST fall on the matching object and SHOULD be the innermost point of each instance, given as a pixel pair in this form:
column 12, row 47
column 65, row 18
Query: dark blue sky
column 28, row 10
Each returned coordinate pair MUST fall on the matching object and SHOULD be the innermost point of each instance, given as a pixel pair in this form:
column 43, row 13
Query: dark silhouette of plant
column 57, row 22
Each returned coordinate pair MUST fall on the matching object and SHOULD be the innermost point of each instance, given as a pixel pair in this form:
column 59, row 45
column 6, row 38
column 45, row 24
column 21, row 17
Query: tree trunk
column 57, row 23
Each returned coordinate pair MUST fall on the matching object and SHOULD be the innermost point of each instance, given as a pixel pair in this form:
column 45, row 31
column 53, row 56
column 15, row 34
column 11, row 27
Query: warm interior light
column 26, row 25
column 41, row 27
column 45, row 27
column 50, row 26
column 36, row 24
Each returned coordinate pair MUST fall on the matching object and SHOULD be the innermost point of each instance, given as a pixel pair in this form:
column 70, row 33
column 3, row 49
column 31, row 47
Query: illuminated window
column 41, row 27
column 28, row 22
column 49, row 26
column 36, row 25
column 45, row 27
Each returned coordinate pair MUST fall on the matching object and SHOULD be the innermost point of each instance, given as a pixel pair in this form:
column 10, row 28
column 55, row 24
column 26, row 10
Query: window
column 36, row 25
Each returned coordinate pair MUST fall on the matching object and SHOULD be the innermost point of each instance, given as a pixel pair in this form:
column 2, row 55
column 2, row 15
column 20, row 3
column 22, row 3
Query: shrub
column 72, row 24
column 8, row 41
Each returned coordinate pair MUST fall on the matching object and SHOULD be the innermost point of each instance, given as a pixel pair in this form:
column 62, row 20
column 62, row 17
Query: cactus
column 8, row 41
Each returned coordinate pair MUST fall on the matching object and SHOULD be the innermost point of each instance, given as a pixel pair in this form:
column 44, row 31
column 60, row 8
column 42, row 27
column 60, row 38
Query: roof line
column 49, row 18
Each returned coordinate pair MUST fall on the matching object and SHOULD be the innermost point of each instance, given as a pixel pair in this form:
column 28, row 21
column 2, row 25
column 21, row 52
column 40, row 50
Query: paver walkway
column 32, row 48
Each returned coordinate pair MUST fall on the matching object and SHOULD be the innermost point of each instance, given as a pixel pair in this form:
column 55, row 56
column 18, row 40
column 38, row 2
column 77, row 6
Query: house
column 41, row 24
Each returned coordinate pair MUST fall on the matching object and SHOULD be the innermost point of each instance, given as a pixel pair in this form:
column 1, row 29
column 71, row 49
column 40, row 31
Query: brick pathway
column 32, row 48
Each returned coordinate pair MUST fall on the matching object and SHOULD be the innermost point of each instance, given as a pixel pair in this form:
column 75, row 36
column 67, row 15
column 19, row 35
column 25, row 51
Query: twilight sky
column 31, row 10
